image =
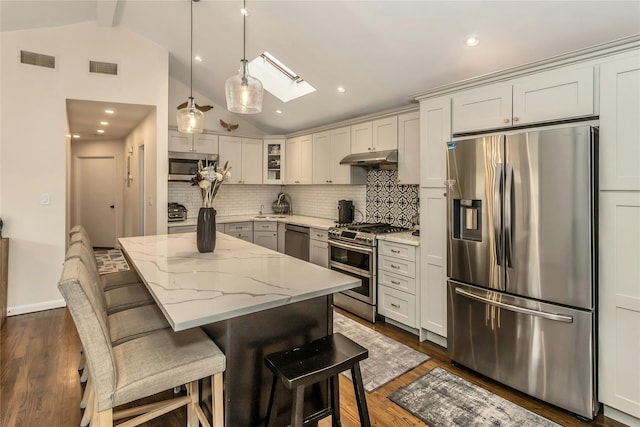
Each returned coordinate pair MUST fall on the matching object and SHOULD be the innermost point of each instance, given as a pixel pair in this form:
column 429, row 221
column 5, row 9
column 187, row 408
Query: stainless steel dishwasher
column 296, row 241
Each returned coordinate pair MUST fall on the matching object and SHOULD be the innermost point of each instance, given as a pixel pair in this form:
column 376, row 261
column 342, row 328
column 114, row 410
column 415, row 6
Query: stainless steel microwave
column 183, row 166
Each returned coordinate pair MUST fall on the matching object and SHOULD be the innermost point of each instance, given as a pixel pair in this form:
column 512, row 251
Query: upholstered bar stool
column 118, row 298
column 143, row 366
column 312, row 363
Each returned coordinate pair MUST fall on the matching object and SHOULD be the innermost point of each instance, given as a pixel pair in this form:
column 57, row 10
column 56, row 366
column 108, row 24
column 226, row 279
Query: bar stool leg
column 358, row 388
column 298, row 405
column 218, row 400
column 335, row 400
column 267, row 419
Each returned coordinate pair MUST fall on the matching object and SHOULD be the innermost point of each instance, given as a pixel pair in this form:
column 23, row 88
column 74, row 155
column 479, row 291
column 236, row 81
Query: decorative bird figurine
column 228, row 126
column 203, row 108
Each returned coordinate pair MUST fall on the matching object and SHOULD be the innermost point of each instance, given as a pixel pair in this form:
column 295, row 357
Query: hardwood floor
column 39, row 382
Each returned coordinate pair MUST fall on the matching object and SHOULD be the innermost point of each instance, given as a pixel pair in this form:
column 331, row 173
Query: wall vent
column 37, row 59
column 103, row 68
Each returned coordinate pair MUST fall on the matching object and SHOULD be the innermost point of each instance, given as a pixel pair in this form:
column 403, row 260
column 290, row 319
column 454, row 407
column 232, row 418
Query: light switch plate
column 44, row 198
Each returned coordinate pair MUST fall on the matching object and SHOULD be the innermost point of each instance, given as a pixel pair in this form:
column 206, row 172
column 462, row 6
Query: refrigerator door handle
column 497, row 203
column 508, row 216
column 515, row 308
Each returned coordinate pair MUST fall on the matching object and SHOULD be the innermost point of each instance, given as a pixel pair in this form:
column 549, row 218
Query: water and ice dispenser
column 467, row 219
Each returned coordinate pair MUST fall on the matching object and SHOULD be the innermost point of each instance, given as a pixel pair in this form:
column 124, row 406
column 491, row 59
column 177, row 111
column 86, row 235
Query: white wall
column 33, row 151
column 179, row 93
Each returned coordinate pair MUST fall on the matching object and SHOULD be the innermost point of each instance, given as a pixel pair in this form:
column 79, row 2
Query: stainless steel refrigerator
column 522, row 261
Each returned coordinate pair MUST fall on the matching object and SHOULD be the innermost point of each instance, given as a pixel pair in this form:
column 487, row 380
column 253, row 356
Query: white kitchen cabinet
column 182, row 229
column 265, row 234
column 433, row 263
column 435, row 132
column 409, row 148
column 329, row 147
column 619, row 123
column 319, row 247
column 241, row 230
column 563, row 93
column 273, row 163
column 299, row 165
column 282, row 229
column 377, row 135
column 194, row 143
column 245, row 158
column 398, row 296
column 619, row 305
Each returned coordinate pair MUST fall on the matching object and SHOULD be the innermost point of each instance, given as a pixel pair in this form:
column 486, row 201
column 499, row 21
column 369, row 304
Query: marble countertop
column 307, row 221
column 237, row 278
column 405, row 237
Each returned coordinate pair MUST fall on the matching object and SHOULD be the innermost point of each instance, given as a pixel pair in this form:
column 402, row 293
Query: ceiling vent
column 103, row 68
column 37, row 59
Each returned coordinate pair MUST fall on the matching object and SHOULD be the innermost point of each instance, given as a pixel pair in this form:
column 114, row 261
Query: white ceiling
column 382, row 52
column 85, row 116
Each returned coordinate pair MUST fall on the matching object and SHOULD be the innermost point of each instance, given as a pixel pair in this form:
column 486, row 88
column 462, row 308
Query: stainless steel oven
column 360, row 262
column 353, row 251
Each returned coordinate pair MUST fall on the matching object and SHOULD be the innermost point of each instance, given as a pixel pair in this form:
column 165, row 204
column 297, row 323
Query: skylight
column 278, row 79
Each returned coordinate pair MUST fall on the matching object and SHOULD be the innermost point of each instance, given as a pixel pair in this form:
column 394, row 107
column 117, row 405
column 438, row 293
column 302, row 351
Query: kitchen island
column 250, row 300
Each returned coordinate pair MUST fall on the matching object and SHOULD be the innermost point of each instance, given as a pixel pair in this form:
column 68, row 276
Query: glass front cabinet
column 274, row 161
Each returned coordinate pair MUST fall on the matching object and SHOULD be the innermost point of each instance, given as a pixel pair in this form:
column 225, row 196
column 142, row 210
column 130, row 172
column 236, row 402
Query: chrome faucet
column 261, row 207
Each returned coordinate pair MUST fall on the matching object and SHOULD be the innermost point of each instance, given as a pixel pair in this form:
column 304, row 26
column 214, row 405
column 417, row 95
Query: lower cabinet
column 241, row 230
column 266, row 234
column 398, row 296
column 182, row 229
column 319, row 247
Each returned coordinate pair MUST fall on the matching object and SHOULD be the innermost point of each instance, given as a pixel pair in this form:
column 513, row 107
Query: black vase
column 206, row 230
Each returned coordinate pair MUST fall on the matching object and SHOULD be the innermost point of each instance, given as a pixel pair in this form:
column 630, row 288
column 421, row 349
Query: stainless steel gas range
column 353, row 251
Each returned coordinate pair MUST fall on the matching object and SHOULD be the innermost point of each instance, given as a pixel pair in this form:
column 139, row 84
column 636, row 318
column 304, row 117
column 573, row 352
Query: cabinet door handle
column 515, row 119
column 506, row 120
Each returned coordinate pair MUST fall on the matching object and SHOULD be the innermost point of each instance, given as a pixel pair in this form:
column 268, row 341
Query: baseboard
column 32, row 308
column 620, row 416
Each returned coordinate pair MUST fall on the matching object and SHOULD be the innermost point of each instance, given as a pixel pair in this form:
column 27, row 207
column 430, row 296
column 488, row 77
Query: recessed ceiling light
column 103, row 123
column 472, row 40
column 76, row 136
column 278, row 111
column 198, row 58
column 109, row 111
column 341, row 89
column 100, row 131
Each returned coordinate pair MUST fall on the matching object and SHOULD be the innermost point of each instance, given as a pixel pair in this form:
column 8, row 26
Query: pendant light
column 243, row 91
column 190, row 119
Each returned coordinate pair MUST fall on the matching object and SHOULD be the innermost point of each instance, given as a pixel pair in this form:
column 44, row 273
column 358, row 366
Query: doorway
column 95, row 197
column 141, row 193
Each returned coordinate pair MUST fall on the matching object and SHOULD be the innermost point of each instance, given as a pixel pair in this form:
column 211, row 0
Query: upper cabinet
column 245, row 158
column 193, row 143
column 299, row 167
column 551, row 95
column 409, row 148
column 435, row 132
column 378, row 135
column 619, row 124
column 273, row 165
column 329, row 148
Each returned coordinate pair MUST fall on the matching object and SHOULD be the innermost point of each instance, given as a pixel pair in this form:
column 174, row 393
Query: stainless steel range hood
column 386, row 159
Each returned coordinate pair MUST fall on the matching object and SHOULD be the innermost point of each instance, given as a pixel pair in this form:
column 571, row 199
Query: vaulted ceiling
column 381, row 52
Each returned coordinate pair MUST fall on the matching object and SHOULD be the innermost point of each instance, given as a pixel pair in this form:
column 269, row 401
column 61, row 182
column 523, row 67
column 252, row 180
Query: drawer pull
column 319, row 235
column 395, row 305
column 397, row 267
column 395, row 282
column 395, row 251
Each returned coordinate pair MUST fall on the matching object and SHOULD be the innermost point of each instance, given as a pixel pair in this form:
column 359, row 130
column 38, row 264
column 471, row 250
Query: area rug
column 111, row 261
column 388, row 359
column 442, row 399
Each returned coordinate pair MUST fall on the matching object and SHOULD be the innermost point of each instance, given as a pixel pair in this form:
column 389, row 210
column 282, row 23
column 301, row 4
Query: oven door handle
column 355, row 248
column 354, row 270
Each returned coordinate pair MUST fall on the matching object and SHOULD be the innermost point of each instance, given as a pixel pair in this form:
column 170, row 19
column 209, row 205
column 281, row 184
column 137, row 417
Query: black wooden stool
column 317, row 361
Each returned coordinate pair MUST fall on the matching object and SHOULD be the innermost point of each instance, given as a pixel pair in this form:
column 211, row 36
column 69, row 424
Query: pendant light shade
column 244, row 92
column 189, row 118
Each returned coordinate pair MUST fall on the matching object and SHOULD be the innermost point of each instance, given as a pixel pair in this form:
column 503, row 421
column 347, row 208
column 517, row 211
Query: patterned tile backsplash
column 389, row 202
column 381, row 200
